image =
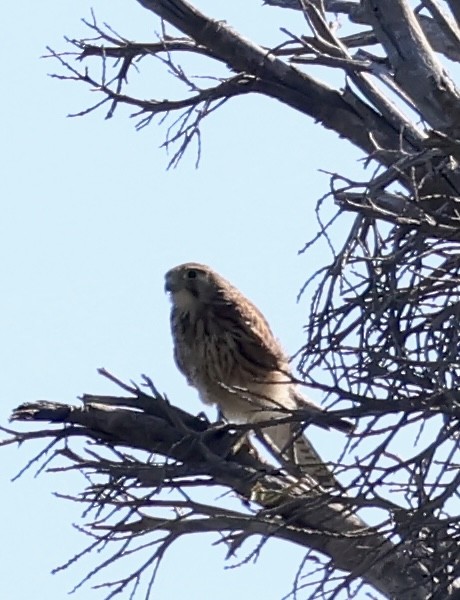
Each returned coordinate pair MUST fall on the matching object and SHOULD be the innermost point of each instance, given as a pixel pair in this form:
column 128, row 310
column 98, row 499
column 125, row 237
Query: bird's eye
column 191, row 274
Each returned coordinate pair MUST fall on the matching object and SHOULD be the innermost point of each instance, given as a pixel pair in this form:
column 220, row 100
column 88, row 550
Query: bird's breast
column 211, row 357
column 210, row 350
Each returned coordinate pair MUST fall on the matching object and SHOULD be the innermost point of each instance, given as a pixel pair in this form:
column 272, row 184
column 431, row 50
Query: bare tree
column 384, row 319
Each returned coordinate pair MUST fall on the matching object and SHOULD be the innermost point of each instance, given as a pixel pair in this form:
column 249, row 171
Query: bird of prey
column 227, row 351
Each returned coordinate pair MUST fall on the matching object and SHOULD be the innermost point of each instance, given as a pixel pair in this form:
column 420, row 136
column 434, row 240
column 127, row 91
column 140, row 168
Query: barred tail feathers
column 297, row 449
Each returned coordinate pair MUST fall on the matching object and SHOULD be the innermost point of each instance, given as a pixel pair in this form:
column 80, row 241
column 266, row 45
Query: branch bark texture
column 290, row 509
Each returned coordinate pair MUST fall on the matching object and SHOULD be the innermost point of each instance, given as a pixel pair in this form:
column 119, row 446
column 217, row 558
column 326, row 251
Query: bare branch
column 417, row 71
column 289, row 509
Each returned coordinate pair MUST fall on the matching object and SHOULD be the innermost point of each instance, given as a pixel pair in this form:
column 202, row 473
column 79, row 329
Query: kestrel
column 227, row 351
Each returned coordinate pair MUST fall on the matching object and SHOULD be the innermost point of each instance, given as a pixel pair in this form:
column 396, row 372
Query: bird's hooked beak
column 173, row 283
column 169, row 284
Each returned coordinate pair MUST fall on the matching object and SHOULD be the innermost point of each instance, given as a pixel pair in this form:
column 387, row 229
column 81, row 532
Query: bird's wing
column 249, row 329
column 297, row 450
column 327, row 420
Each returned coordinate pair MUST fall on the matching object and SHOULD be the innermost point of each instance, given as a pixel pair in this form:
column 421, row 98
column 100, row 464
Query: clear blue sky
column 90, row 223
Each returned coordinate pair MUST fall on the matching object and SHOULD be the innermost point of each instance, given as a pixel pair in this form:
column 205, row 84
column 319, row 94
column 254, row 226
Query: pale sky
column 90, row 223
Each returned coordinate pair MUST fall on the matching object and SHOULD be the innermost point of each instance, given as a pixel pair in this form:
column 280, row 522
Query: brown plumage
column 227, row 351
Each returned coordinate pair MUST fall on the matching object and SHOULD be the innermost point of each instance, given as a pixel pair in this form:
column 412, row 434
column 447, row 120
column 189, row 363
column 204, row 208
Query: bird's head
column 192, row 283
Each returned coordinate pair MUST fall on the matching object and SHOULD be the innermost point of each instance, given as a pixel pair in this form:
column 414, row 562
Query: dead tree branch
column 384, row 318
column 197, row 456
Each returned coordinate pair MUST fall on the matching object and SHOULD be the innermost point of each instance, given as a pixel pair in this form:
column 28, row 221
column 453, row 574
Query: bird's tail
column 319, row 416
column 297, row 450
